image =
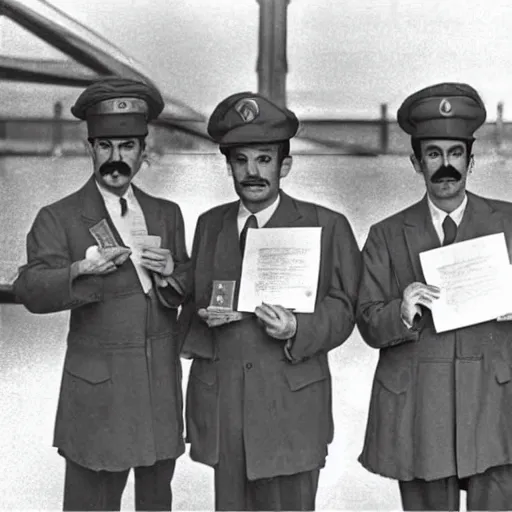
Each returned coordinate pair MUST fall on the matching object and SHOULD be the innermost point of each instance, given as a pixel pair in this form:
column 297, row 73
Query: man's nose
column 446, row 159
column 252, row 169
column 115, row 154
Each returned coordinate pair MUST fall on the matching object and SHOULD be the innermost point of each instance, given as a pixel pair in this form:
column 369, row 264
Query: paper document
column 475, row 281
column 281, row 267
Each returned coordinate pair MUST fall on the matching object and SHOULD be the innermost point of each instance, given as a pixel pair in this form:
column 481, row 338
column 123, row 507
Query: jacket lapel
column 152, row 214
column 227, row 263
column 479, row 219
column 286, row 214
column 420, row 236
column 94, row 210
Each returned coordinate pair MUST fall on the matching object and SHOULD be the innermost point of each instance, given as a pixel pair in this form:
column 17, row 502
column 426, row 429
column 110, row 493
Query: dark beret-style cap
column 118, row 107
column 249, row 118
column 442, row 111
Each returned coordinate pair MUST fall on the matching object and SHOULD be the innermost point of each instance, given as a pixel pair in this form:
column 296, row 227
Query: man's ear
column 88, row 147
column 471, row 164
column 286, row 166
column 415, row 163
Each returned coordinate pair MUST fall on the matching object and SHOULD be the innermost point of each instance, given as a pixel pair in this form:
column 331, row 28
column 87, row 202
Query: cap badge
column 122, row 105
column 445, row 108
column 247, row 109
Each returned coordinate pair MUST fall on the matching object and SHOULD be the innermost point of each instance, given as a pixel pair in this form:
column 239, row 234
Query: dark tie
column 124, row 206
column 251, row 222
column 449, row 230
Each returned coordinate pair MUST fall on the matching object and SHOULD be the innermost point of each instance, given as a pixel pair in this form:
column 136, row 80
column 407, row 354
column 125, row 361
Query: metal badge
column 445, row 108
column 248, row 109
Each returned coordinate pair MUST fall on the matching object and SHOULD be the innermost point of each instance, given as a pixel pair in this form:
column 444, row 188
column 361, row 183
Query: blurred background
column 344, row 67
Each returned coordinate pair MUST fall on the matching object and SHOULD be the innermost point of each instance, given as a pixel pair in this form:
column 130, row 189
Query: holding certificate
column 435, row 278
column 274, row 289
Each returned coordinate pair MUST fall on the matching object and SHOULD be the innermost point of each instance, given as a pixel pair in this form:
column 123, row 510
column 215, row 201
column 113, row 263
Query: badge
column 247, row 109
column 223, row 295
column 445, row 108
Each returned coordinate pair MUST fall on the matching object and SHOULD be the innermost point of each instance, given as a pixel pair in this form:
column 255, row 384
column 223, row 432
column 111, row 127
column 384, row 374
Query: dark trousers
column 288, row 492
column 85, row 489
column 491, row 490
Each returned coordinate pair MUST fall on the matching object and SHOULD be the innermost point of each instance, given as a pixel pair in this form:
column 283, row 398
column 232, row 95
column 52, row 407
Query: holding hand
column 99, row 261
column 416, row 295
column 157, row 260
column 216, row 317
column 279, row 322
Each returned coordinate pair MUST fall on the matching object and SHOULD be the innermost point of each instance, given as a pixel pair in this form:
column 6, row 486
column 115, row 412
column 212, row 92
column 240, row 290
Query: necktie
column 449, row 230
column 251, row 222
column 124, row 206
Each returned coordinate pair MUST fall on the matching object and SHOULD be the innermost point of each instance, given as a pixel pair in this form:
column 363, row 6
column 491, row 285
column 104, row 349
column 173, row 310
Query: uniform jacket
column 120, row 401
column 441, row 404
column 287, row 415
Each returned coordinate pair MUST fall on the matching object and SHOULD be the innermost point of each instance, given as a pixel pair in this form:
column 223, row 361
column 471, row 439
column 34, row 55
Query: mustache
column 446, row 171
column 254, row 181
column 111, row 167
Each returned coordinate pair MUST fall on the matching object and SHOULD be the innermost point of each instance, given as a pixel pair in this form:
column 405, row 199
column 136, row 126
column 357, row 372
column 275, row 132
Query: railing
column 60, row 136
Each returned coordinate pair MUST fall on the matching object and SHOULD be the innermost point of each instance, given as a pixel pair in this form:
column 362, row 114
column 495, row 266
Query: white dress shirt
column 439, row 215
column 131, row 224
column 263, row 217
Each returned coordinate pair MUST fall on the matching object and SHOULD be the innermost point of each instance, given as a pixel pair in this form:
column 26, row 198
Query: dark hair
column 416, row 147
column 141, row 139
column 283, row 149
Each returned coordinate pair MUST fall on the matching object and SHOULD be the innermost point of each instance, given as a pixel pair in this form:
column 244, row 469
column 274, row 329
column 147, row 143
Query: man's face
column 116, row 162
column 444, row 165
column 257, row 173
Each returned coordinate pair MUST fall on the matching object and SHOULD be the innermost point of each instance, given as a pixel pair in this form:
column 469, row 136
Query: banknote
column 103, row 234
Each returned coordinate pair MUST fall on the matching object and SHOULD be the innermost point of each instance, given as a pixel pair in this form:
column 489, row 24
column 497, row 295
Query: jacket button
column 248, row 366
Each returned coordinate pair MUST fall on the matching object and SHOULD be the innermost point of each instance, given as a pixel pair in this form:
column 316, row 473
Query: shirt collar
column 262, row 216
column 110, row 197
column 439, row 215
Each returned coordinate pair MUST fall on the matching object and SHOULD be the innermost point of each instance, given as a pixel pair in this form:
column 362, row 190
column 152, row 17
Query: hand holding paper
column 475, row 281
column 416, row 295
column 99, row 260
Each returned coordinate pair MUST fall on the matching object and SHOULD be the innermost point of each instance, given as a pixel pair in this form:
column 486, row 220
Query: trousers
column 85, row 489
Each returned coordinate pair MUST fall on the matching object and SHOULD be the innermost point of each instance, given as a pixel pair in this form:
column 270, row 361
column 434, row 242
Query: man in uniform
column 120, row 403
column 259, row 393
column 440, row 417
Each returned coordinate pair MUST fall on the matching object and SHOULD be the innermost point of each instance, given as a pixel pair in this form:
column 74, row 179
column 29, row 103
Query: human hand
column 279, row 322
column 215, row 317
column 157, row 260
column 416, row 295
column 99, row 261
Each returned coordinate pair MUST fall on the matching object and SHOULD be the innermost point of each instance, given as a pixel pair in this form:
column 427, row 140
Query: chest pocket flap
column 303, row 374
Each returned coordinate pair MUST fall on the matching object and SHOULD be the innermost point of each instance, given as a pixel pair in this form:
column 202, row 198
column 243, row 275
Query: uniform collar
column 439, row 215
column 262, row 216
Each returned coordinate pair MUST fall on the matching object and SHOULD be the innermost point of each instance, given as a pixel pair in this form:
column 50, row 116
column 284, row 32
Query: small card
column 140, row 241
column 223, row 295
column 103, row 235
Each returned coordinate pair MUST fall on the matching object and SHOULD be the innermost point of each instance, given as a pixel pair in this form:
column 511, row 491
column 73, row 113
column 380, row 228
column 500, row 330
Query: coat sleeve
column 334, row 318
column 47, row 283
column 378, row 309
column 173, row 295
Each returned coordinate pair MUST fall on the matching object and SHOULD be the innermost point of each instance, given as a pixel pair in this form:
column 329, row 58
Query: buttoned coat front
column 441, row 404
column 285, row 408
column 120, row 402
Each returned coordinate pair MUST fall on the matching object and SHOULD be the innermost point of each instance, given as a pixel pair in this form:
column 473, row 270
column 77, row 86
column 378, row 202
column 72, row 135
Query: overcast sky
column 345, row 57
